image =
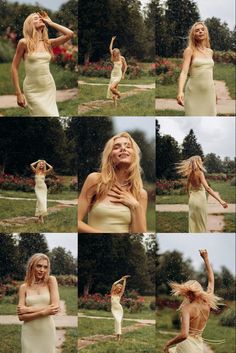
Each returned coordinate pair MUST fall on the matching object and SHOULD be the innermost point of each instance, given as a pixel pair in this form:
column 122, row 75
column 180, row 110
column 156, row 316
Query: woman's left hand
column 123, row 196
column 123, row 76
column 22, row 310
column 45, row 18
column 166, row 349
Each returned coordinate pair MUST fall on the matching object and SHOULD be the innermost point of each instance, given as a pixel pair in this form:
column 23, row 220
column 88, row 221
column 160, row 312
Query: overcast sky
column 221, row 248
column 146, row 124
column 65, row 240
column 216, row 135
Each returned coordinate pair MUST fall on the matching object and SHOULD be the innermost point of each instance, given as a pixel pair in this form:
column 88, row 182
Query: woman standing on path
column 118, row 71
column 38, row 301
column 40, row 170
column 114, row 198
column 117, row 291
column 200, row 95
column 36, row 50
column 193, row 169
column 195, row 310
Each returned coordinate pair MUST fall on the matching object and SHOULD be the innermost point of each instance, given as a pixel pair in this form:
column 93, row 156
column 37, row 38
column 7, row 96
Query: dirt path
column 225, row 105
column 98, row 104
column 9, row 101
column 140, row 321
column 22, row 220
column 206, row 348
column 90, row 340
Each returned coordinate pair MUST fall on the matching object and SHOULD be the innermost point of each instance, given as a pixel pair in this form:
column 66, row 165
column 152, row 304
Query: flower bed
column 99, row 302
column 66, row 56
column 168, row 187
column 11, row 182
column 167, row 72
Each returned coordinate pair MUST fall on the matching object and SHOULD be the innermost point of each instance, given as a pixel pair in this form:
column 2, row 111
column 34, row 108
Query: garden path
column 90, row 340
column 9, row 101
column 206, row 348
column 97, row 104
column 215, row 219
column 140, row 321
column 225, row 105
column 21, row 220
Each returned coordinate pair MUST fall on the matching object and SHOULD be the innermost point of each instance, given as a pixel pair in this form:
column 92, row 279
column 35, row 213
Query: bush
column 6, row 51
column 67, row 280
column 169, row 187
column 233, row 182
column 152, row 305
column 11, row 182
column 74, row 184
column 54, row 184
column 228, row 318
column 167, row 72
column 226, row 57
column 66, row 56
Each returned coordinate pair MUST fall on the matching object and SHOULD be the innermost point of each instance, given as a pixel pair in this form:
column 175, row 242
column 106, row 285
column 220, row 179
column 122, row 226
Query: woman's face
column 37, row 21
column 122, row 152
column 118, row 288
column 199, row 32
column 41, row 165
column 40, row 269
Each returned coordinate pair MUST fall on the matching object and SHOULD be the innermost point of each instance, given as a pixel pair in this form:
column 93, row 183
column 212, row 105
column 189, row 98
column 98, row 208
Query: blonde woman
column 114, row 198
column 118, row 71
column 200, row 95
column 193, row 169
column 36, row 51
column 195, row 310
column 38, row 301
column 117, row 291
column 41, row 168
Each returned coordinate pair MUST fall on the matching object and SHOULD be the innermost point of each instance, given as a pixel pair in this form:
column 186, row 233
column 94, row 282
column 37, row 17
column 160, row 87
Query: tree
column 213, row 163
column 180, row 15
column 191, row 147
column 8, row 256
column 62, row 262
column 220, row 34
column 172, row 267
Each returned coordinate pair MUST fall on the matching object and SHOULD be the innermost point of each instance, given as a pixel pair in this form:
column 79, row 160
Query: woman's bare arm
column 211, row 191
column 84, row 202
column 111, row 44
column 50, row 168
column 124, row 67
column 54, row 292
column 183, row 75
column 20, row 52
column 32, row 166
column 185, row 319
column 210, row 273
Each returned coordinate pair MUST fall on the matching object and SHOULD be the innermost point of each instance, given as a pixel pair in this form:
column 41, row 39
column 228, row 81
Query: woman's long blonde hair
column 193, row 288
column 108, row 174
column 37, row 166
column 192, row 43
column 32, row 37
column 190, row 166
column 33, row 260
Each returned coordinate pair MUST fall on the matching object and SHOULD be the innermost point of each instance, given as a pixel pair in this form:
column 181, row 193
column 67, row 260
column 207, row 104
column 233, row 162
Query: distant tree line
column 169, row 152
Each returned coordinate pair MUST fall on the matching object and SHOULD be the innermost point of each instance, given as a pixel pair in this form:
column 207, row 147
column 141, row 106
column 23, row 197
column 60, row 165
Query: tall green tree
column 220, row 34
column 191, row 147
column 213, row 163
column 180, row 15
column 9, row 258
column 62, row 261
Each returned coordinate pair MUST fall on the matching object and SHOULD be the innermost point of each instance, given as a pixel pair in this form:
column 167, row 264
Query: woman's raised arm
column 210, row 273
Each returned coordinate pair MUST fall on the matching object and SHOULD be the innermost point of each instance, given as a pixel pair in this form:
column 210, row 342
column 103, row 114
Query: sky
column 146, row 124
column 216, row 135
column 220, row 247
column 48, row 4
column 65, row 240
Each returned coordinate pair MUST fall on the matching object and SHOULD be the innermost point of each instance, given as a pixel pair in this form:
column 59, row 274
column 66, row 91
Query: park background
column 103, row 259
column 63, row 67
column 179, row 260
column 181, row 138
column 26, row 140
column 174, row 18
column 133, row 24
column 15, row 250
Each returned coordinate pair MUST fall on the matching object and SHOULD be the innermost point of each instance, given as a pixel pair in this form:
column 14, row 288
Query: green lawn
column 139, row 81
column 70, row 344
column 230, row 223
column 172, row 222
column 169, row 113
column 151, row 217
column 213, row 331
column 64, row 195
column 224, row 72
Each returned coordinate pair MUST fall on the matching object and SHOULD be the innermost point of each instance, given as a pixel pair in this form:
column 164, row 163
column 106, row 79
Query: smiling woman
column 114, row 198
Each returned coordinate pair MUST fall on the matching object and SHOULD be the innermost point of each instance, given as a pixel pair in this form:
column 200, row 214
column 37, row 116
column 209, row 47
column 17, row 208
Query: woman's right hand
column 113, row 38
column 180, row 99
column 203, row 253
column 21, row 100
column 127, row 276
column 51, row 310
column 224, row 204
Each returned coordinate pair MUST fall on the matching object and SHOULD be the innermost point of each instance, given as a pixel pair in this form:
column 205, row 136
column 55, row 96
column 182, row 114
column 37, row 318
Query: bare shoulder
column 211, row 51
column 23, row 288
column 52, row 280
column 93, row 178
column 188, row 51
column 22, row 43
column 143, row 194
column 186, row 308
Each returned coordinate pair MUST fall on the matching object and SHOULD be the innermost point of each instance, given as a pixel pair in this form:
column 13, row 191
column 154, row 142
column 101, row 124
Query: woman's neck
column 122, row 176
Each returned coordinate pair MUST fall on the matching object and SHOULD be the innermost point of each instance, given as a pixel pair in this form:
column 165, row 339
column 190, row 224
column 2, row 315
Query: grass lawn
column 139, row 81
column 151, row 217
column 223, row 72
column 70, row 296
column 63, row 221
column 169, row 113
column 64, row 195
column 172, row 222
column 230, row 223
column 70, row 344
column 142, row 104
column 213, row 331
column 142, row 340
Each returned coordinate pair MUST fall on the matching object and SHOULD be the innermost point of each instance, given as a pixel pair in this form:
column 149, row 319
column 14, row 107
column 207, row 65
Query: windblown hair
column 33, row 260
column 31, row 35
column 192, row 42
column 37, row 166
column 190, row 165
column 107, row 170
column 115, row 51
column 193, row 288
